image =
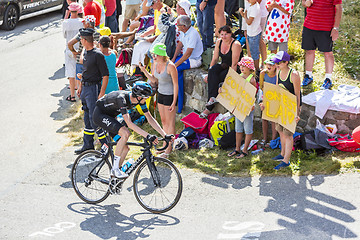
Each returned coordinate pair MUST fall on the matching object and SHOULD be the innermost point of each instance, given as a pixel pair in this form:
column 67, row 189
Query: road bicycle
column 157, row 183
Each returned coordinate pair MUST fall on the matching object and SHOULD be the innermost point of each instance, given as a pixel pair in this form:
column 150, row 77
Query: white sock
column 309, row 73
column 328, row 75
column 116, row 162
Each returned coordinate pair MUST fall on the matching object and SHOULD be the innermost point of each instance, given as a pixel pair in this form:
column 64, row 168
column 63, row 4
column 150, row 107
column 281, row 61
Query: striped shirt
column 96, row 38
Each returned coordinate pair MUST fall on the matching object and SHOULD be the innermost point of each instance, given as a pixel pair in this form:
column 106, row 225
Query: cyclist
column 116, row 102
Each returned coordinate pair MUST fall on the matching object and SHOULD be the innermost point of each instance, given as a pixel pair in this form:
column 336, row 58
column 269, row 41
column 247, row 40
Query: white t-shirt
column 254, row 28
column 191, row 39
column 71, row 27
column 133, row 2
column 264, row 11
column 278, row 24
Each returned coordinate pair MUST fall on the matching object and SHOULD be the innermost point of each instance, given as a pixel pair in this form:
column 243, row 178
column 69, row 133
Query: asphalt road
column 37, row 201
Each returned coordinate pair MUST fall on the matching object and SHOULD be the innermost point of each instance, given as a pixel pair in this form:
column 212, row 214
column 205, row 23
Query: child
column 278, row 24
column 268, row 75
column 247, row 71
column 289, row 79
column 252, row 18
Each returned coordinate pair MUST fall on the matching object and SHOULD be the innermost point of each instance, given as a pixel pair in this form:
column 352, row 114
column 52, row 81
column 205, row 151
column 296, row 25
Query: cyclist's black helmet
column 141, row 89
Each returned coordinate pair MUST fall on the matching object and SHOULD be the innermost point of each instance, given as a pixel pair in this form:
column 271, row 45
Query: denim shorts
column 247, row 125
column 254, row 43
column 79, row 69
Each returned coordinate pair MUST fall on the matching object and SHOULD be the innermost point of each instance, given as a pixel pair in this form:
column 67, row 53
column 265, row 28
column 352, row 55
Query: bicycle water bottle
column 116, row 138
column 127, row 165
column 257, row 151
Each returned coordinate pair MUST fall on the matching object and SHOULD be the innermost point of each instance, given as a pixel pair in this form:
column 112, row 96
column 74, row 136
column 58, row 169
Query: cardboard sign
column 280, row 106
column 237, row 95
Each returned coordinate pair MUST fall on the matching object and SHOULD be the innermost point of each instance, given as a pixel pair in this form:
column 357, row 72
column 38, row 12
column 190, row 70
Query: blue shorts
column 247, row 125
column 254, row 45
column 79, row 69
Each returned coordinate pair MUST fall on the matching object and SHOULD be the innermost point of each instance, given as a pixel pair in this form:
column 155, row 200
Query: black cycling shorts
column 312, row 40
column 106, row 122
column 166, row 100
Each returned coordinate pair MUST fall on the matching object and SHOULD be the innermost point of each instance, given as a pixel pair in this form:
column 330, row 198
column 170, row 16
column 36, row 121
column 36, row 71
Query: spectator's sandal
column 211, row 101
column 70, row 98
column 241, row 155
column 164, row 155
column 233, row 153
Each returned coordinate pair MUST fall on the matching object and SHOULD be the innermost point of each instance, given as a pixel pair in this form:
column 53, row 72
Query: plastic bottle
column 127, row 165
column 257, row 151
column 116, row 138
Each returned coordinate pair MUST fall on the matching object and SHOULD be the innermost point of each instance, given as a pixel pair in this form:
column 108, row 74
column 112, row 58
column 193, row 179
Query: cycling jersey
column 117, row 102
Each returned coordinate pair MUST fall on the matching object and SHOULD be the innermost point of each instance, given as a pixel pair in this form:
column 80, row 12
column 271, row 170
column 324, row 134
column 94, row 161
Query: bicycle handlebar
column 167, row 140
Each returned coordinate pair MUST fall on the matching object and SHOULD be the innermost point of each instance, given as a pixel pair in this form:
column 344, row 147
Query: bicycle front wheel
column 90, row 177
column 161, row 194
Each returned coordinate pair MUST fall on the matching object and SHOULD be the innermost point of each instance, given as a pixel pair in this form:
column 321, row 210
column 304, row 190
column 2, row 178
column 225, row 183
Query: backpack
column 228, row 140
column 313, row 140
column 124, row 57
column 344, row 143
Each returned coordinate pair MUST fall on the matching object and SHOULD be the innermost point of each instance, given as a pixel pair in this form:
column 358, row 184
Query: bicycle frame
column 145, row 155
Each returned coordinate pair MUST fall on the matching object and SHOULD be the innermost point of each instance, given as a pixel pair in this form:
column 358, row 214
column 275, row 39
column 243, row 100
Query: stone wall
column 345, row 122
column 196, row 97
column 196, row 92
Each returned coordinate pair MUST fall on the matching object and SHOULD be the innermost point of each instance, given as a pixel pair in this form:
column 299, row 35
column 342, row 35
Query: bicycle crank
column 115, row 185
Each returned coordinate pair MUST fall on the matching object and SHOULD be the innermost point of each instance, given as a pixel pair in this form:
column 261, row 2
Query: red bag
column 194, row 121
column 344, row 143
column 211, row 119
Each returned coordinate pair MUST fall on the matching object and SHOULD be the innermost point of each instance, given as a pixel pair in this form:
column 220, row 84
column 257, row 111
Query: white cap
column 185, row 4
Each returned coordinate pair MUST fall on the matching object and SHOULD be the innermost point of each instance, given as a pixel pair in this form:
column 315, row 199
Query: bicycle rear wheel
column 158, row 198
column 90, row 176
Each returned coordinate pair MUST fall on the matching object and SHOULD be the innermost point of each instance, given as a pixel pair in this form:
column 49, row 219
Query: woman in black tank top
column 229, row 50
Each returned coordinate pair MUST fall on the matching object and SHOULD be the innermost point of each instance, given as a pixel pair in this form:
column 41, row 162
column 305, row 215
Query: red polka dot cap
column 247, row 62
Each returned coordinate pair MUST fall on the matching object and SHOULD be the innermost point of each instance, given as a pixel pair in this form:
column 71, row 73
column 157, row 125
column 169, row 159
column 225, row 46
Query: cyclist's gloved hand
column 152, row 138
column 169, row 137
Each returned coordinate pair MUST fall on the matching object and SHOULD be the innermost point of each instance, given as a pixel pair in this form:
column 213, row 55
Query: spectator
column 252, row 17
column 247, row 69
column 142, row 47
column 264, row 16
column 93, row 8
column 205, row 21
column 67, row 11
column 110, row 58
column 71, row 27
column 88, row 22
column 229, row 50
column 95, row 77
column 132, row 9
column 110, row 15
column 268, row 75
column 134, row 26
column 321, row 29
column 288, row 79
column 191, row 45
column 164, row 74
column 219, row 16
column 278, row 25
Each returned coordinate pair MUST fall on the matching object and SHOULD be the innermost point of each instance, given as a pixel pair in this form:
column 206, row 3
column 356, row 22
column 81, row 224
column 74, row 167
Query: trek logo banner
column 237, row 95
column 280, row 106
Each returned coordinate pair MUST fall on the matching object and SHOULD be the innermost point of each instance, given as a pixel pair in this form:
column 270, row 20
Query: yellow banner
column 237, row 95
column 280, row 106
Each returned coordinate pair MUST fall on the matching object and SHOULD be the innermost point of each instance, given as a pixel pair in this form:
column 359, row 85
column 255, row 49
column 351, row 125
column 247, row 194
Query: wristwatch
column 336, row 28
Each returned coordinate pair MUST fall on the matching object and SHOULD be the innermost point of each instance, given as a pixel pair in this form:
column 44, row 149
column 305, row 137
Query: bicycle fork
column 153, row 170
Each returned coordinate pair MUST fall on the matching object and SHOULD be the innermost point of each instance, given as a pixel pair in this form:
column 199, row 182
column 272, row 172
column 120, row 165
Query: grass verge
column 215, row 161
